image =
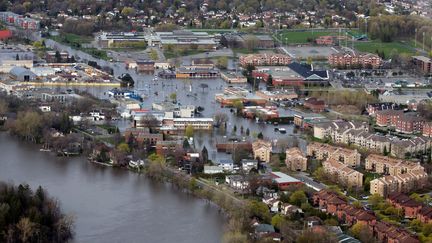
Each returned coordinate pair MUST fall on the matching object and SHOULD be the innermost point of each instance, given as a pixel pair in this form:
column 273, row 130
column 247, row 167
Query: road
column 308, row 181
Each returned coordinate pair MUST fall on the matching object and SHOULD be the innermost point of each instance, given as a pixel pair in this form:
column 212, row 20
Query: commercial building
column 295, row 160
column 196, row 123
column 143, row 65
column 284, row 181
column 185, row 39
column 194, row 72
column 233, row 78
column 322, row 151
column 264, row 113
column 294, row 74
column 345, row 175
column 277, row 95
column 314, row 104
column 355, row 60
column 120, row 39
column 326, row 40
column 262, row 150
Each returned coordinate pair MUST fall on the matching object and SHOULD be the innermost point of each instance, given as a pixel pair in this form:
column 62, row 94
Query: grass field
column 387, row 48
column 294, row 37
column 72, row 39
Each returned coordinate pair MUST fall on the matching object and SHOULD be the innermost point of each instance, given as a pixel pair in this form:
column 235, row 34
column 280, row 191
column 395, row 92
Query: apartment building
column 261, row 150
column 403, row 183
column 355, row 60
column 390, row 166
column 424, row 64
column 386, row 118
column 322, row 151
column 345, row 175
column 410, row 124
column 295, row 160
column 265, row 60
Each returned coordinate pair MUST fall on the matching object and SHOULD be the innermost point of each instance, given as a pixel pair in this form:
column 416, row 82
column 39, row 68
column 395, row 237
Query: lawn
column 300, row 37
column 72, row 39
column 387, row 48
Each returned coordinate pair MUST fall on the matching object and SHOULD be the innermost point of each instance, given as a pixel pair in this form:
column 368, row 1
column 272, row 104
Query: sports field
column 387, row 48
column 301, row 37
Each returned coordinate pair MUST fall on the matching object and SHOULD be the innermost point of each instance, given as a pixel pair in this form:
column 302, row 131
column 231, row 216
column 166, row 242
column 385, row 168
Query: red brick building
column 354, row 60
column 424, row 64
column 408, row 206
column 409, row 124
column 327, row 40
column 315, row 105
column 388, row 117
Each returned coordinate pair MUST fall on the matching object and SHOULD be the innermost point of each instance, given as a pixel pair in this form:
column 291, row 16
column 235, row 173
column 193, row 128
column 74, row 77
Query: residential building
column 390, row 166
column 345, row 175
column 424, row 64
column 169, row 148
column 237, row 182
column 404, row 183
column 388, row 117
column 265, row 60
column 19, row 21
column 355, row 60
column 410, row 124
column 212, row 169
column 295, row 160
column 249, row 164
column 427, row 129
column 262, row 150
column 374, row 107
column 143, row 136
column 410, row 207
column 197, row 123
column 322, row 151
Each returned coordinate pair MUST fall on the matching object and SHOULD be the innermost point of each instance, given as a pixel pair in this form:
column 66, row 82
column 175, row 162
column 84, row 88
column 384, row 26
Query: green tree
column 357, row 229
column 124, row 147
column 128, row 11
column 222, row 62
column 298, row 197
column 277, row 221
column 375, row 200
column 154, row 55
column 173, row 97
column 189, row 132
column 260, row 136
column 259, row 210
column 204, row 154
column 238, row 104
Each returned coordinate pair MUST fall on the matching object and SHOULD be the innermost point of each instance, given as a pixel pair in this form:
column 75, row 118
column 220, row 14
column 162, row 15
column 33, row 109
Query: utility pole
column 423, row 40
column 415, row 38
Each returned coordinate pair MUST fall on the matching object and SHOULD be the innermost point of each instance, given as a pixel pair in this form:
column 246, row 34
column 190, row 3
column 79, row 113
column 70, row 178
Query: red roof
column 4, row 34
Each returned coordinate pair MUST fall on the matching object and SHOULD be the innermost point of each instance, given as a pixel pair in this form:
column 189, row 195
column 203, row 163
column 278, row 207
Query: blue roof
column 306, row 71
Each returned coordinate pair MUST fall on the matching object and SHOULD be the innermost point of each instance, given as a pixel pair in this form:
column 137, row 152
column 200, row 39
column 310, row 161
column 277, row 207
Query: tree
column 173, row 97
column 58, row 57
column 251, row 42
column 298, row 197
column 17, row 57
column 128, row 11
column 220, row 118
column 238, row 154
column 259, row 210
column 127, row 80
column 375, row 199
column 238, row 104
column 222, row 62
column 260, row 136
column 154, row 55
column 124, row 148
column 189, row 132
column 277, row 221
column 204, row 154
column 247, row 131
column 316, row 237
column 148, row 121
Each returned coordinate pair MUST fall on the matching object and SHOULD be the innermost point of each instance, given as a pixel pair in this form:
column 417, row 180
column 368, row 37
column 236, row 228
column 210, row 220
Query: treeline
column 27, row 216
column 387, row 28
column 359, row 99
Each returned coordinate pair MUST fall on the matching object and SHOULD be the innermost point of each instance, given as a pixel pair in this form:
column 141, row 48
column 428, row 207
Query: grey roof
column 18, row 71
column 264, row 228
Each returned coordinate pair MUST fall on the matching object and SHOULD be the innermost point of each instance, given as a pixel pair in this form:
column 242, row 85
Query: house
column 284, row 181
column 226, row 164
column 263, row 229
column 237, row 182
column 295, row 160
column 249, row 164
column 262, row 150
column 409, row 207
column 213, row 169
column 288, row 209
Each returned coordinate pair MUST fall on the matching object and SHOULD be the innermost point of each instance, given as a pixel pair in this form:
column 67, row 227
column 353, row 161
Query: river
column 111, row 205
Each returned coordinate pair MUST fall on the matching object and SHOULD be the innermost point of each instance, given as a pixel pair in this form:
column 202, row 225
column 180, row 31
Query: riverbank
column 112, row 205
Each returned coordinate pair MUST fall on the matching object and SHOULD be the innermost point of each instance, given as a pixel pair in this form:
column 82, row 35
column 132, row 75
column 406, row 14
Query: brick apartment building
column 322, row 151
column 410, row 124
column 314, row 105
column 354, row 60
column 427, row 129
column 388, row 117
column 265, row 60
column 424, row 64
